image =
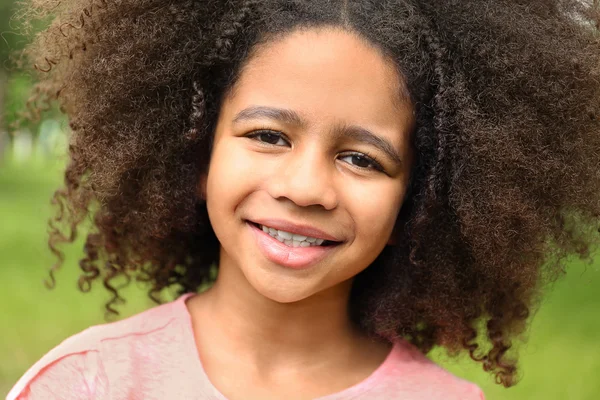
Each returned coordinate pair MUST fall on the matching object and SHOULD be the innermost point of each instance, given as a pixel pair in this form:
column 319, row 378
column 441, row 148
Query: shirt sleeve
column 73, row 377
column 476, row 393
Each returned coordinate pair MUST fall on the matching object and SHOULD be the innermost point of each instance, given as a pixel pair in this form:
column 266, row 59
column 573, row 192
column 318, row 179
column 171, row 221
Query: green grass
column 560, row 361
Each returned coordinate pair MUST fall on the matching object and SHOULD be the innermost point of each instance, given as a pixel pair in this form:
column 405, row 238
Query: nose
column 305, row 178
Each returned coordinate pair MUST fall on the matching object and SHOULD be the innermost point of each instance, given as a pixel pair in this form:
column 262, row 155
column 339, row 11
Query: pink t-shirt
column 153, row 355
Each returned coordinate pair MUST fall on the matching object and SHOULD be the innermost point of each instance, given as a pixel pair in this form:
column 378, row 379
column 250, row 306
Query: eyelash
column 376, row 165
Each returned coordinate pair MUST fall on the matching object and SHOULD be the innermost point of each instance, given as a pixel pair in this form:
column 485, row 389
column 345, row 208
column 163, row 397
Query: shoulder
column 74, row 366
column 409, row 374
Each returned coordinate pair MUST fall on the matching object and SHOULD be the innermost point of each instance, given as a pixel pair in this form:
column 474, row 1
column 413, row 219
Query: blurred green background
column 559, row 360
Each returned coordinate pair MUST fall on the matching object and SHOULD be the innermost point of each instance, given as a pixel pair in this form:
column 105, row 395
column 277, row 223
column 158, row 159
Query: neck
column 247, row 341
column 272, row 334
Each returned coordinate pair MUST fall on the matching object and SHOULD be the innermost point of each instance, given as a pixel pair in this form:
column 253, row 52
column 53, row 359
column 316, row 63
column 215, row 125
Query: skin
column 286, row 333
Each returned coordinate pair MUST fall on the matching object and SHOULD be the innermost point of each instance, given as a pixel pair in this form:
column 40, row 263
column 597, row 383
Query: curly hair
column 505, row 185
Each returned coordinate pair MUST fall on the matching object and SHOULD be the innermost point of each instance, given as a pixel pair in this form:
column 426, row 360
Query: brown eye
column 361, row 161
column 269, row 137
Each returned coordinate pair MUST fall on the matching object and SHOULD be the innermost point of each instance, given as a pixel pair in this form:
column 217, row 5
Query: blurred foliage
column 9, row 39
column 16, row 83
column 16, row 92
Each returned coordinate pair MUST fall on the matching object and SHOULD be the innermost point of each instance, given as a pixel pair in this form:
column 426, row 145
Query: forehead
column 324, row 74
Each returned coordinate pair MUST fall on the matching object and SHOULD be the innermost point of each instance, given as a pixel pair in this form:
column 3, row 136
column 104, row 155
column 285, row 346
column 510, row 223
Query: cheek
column 223, row 189
column 228, row 177
column 228, row 185
column 375, row 209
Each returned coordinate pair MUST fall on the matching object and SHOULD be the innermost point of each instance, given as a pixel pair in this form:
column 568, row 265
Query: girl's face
column 312, row 141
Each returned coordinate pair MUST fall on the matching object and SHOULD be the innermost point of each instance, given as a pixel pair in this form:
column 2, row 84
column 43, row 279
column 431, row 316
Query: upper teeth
column 292, row 239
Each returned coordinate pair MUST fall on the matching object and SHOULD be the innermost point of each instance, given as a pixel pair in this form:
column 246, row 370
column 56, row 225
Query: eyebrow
column 291, row 117
column 363, row 135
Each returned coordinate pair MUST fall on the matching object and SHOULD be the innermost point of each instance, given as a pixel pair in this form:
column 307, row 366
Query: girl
column 346, row 183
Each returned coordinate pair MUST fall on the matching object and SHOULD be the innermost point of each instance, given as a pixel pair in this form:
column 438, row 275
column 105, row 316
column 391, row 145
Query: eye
column 269, row 137
column 362, row 161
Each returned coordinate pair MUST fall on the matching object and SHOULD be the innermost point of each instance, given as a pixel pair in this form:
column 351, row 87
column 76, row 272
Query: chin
column 282, row 290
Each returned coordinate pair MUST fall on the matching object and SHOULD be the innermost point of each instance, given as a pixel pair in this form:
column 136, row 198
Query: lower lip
column 287, row 256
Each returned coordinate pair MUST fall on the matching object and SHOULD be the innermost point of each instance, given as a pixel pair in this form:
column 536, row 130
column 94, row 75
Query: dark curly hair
column 505, row 185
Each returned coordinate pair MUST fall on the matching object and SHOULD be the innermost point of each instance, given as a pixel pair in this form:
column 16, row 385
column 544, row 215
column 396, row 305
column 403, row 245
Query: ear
column 201, row 188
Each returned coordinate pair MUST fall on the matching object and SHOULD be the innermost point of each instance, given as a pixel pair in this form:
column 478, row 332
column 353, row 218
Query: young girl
column 346, row 184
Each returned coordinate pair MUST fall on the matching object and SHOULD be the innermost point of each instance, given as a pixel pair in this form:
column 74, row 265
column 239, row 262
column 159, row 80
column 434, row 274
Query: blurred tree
column 10, row 42
column 15, row 83
column 8, row 39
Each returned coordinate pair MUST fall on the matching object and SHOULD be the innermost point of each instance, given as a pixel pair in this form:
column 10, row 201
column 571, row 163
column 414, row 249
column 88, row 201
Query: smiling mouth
column 293, row 239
